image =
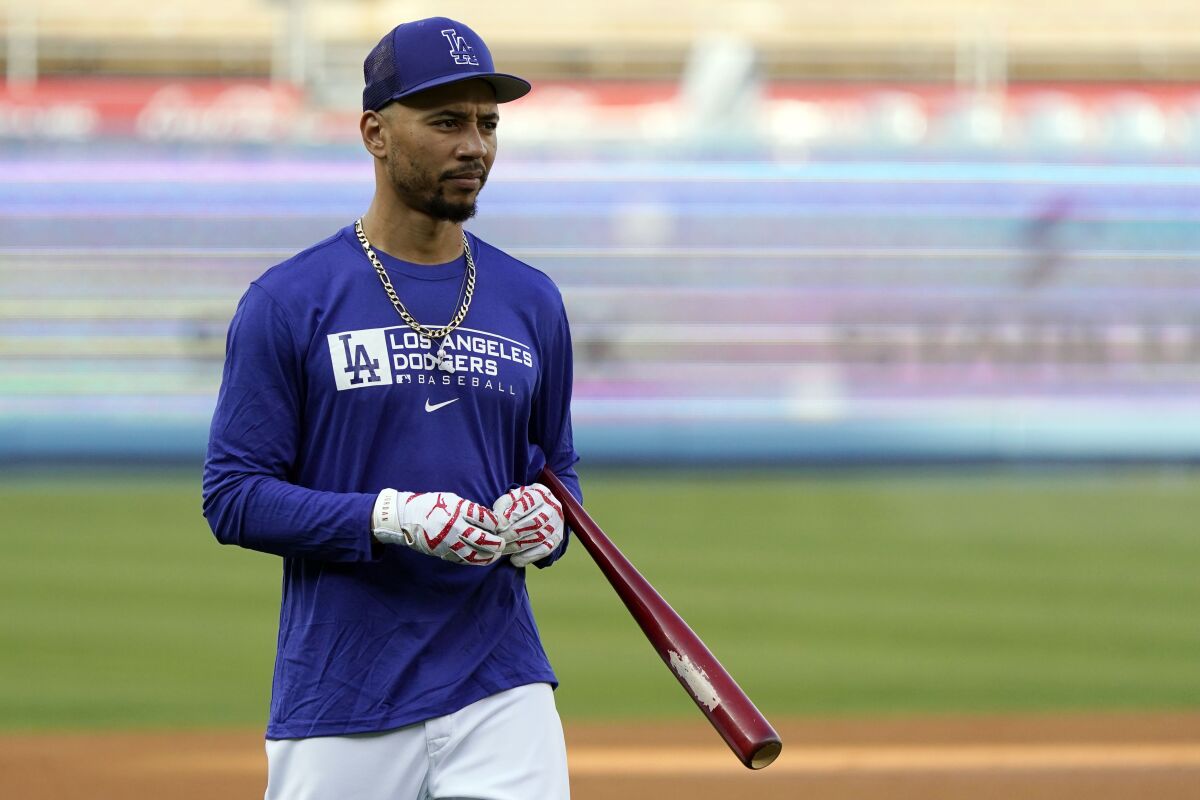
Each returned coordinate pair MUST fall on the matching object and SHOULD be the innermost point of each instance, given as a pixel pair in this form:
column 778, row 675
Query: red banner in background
column 197, row 110
column 184, row 110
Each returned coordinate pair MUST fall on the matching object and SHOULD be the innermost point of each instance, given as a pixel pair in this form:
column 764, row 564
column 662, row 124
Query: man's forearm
column 264, row 513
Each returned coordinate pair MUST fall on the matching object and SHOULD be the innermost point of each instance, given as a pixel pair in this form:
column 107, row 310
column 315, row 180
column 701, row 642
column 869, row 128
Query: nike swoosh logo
column 429, row 407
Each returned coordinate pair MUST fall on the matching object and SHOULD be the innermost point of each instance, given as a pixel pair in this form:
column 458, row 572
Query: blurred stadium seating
column 883, row 39
column 880, row 242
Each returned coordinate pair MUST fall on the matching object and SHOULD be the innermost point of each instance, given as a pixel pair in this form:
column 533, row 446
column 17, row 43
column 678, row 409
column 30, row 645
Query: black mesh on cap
column 379, row 76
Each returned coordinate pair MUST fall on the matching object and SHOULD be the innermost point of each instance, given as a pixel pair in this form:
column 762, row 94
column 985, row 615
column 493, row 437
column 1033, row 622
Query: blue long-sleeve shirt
column 327, row 398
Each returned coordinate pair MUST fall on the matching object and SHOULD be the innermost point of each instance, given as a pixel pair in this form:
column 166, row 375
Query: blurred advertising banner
column 787, row 119
column 155, row 110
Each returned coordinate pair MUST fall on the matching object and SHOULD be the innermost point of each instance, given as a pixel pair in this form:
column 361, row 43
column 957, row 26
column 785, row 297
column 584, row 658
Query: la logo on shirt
column 362, row 356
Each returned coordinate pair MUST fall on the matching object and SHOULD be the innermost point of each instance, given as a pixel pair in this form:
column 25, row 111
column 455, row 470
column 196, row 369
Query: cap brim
column 508, row 87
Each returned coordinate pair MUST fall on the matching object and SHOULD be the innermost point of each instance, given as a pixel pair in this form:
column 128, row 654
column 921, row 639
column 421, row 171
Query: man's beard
column 428, row 194
column 439, row 207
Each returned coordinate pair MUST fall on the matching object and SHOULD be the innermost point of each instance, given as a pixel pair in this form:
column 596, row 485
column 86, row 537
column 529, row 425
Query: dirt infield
column 1030, row 757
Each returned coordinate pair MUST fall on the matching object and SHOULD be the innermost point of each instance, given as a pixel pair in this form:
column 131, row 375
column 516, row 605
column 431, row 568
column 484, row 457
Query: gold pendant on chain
column 445, row 362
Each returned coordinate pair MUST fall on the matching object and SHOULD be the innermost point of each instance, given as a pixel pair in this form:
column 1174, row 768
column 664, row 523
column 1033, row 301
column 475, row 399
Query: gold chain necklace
column 445, row 363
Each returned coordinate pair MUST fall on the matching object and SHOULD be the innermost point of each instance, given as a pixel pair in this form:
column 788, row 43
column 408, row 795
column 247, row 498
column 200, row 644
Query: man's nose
column 472, row 145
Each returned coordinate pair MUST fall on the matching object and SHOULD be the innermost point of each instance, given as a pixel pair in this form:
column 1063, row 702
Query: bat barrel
column 711, row 687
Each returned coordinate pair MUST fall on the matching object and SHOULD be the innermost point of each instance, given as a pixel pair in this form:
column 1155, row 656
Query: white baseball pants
column 505, row 747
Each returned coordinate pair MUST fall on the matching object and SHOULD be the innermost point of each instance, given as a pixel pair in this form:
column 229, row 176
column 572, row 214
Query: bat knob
column 765, row 755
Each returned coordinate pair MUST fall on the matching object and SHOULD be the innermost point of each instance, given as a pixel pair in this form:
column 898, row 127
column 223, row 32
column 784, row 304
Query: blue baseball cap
column 431, row 52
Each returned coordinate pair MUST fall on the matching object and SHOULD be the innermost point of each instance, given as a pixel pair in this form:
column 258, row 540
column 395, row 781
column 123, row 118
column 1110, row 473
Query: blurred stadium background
column 791, row 236
column 786, row 231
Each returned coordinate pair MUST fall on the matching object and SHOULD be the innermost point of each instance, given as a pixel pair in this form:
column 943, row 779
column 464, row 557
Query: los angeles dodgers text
column 469, row 358
column 391, row 356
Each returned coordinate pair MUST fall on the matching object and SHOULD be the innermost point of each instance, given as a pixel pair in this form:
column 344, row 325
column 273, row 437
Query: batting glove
column 438, row 524
column 531, row 523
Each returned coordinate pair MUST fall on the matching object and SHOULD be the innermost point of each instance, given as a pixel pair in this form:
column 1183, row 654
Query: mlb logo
column 462, row 52
column 360, row 358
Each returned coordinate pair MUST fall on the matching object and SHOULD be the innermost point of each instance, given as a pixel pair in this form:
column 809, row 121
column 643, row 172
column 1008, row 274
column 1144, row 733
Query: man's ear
column 374, row 136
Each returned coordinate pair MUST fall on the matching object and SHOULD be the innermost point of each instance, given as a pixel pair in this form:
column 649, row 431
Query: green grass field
column 873, row 593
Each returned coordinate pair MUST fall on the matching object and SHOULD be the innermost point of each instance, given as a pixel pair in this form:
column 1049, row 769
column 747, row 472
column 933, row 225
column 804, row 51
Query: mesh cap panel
column 379, row 75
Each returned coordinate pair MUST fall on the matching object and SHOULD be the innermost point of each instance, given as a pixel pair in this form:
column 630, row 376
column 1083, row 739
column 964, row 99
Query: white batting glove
column 531, row 523
column 438, row 524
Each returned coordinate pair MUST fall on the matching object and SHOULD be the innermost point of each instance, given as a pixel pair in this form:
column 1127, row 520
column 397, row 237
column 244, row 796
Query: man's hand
column 531, row 523
column 438, row 524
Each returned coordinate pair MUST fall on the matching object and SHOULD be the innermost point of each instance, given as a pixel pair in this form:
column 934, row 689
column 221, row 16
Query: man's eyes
column 450, row 124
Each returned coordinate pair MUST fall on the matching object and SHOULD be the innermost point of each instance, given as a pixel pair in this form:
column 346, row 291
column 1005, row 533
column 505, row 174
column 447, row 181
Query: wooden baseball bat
column 741, row 725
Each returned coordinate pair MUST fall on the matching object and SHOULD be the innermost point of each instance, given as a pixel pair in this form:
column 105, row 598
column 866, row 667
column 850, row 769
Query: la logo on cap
column 463, row 53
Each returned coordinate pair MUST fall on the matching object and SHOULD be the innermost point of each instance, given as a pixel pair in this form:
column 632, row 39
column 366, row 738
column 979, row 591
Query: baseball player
column 389, row 397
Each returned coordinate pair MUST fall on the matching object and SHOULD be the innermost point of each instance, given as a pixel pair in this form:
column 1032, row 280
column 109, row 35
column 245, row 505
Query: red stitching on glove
column 550, row 501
